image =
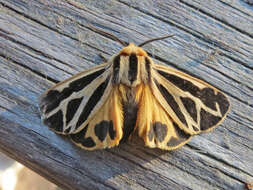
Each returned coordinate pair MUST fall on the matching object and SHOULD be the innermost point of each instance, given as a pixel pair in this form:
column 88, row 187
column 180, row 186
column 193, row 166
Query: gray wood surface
column 45, row 41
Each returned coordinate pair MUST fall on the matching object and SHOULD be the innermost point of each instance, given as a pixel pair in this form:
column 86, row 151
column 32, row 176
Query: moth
column 101, row 107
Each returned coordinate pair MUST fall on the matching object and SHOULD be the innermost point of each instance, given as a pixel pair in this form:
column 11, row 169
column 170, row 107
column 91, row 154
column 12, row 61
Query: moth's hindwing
column 104, row 130
column 155, row 125
column 68, row 106
column 193, row 105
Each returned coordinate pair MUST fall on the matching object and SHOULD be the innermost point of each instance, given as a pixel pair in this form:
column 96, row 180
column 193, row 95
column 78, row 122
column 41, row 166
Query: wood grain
column 43, row 42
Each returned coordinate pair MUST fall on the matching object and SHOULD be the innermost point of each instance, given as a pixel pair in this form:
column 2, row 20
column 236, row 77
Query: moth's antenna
column 154, row 39
column 108, row 35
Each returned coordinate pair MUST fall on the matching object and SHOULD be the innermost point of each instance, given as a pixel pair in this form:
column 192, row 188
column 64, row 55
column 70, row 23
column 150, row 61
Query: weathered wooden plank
column 237, row 16
column 42, row 42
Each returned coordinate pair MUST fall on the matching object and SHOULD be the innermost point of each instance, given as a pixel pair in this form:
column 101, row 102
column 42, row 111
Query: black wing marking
column 194, row 105
column 71, row 103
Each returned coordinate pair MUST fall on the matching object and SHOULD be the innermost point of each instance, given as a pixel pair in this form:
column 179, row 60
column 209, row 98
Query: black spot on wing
column 207, row 120
column 181, row 136
column 157, row 130
column 92, row 102
column 72, row 107
column 54, row 97
column 130, row 109
column 190, row 106
column 133, row 67
column 55, row 121
column 171, row 101
column 103, row 128
column 160, row 131
column 112, row 132
column 206, row 95
column 79, row 138
column 116, row 69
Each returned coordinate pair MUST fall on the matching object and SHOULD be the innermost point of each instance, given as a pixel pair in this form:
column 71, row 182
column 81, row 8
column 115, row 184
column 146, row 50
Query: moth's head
column 133, row 49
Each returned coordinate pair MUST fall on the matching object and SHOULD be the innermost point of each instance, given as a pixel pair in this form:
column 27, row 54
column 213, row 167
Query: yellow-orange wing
column 174, row 106
column 86, row 106
column 155, row 125
column 194, row 105
column 104, row 130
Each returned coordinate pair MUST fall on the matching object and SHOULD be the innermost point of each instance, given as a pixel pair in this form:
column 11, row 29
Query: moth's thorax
column 131, row 66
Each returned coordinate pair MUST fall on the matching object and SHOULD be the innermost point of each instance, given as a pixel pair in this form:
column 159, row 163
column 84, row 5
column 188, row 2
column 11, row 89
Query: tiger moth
column 103, row 106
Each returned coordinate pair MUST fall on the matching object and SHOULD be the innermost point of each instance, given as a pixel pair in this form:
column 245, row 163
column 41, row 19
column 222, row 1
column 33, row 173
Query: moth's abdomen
column 130, row 105
column 130, row 109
